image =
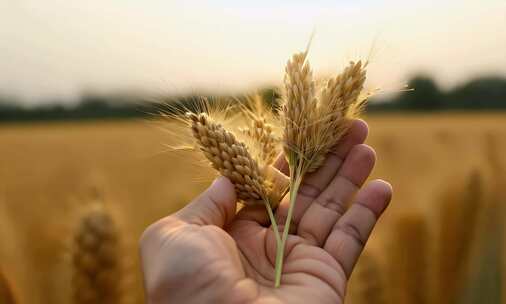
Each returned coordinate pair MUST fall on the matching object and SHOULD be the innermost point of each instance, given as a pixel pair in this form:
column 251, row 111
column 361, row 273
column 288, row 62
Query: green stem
column 273, row 223
column 275, row 230
column 281, row 249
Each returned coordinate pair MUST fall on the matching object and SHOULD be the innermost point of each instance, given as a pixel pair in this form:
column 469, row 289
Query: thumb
column 215, row 206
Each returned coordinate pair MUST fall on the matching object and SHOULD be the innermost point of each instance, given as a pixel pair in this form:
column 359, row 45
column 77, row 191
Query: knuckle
column 332, row 203
column 309, row 190
column 354, row 233
column 152, row 232
column 310, row 237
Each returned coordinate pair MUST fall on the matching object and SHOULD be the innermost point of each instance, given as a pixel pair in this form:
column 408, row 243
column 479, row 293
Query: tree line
column 423, row 94
column 484, row 93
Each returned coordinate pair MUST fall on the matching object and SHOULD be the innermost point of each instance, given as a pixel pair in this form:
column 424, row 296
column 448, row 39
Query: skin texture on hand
column 206, row 253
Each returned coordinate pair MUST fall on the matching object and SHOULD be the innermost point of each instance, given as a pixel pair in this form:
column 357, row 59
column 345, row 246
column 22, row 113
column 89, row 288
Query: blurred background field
column 448, row 172
column 78, row 126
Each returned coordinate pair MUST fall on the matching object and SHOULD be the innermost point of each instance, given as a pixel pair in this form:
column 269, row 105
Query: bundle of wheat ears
column 312, row 120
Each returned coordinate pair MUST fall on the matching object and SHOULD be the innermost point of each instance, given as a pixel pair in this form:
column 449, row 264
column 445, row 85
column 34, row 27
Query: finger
column 349, row 235
column 314, row 183
column 317, row 222
column 255, row 213
column 281, row 164
column 215, row 206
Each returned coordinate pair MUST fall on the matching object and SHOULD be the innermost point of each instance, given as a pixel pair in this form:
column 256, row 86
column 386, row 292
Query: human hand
column 206, row 253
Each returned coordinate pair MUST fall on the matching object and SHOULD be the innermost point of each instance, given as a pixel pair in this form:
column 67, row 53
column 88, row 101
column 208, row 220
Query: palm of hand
column 206, row 253
column 309, row 272
column 237, row 267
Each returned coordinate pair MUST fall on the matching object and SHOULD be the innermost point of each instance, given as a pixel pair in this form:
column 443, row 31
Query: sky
column 60, row 49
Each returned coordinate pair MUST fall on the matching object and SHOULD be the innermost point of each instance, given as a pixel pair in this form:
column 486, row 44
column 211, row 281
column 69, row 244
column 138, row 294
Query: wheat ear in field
column 459, row 212
column 6, row 292
column 96, row 267
column 367, row 285
column 408, row 260
column 497, row 166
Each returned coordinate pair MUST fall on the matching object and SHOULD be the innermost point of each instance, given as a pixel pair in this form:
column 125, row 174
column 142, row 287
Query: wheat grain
column 96, row 272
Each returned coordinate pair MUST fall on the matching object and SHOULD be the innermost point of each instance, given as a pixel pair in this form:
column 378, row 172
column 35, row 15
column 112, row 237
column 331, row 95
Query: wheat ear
column 409, row 259
column 96, row 272
column 299, row 109
column 229, row 156
column 314, row 124
column 367, row 284
column 339, row 102
column 299, row 114
column 458, row 223
column 261, row 133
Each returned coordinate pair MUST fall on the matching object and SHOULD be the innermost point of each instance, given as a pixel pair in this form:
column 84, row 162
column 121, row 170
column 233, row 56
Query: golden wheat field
column 441, row 241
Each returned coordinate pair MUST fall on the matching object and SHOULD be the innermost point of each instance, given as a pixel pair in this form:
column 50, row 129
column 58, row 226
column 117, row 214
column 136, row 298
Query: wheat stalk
column 314, row 123
column 96, row 272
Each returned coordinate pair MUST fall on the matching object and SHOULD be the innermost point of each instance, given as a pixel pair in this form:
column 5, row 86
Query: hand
column 206, row 253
